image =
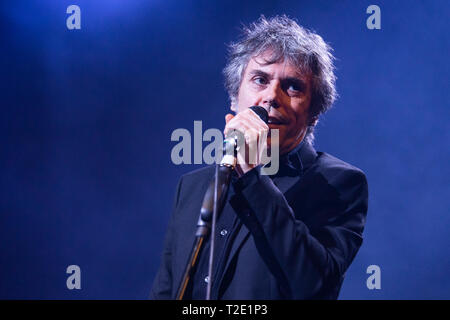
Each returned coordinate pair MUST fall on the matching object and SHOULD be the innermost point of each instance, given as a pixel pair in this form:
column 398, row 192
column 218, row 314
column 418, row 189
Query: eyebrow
column 295, row 80
column 257, row 72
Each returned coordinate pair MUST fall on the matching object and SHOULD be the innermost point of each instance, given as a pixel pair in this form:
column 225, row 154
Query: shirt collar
column 293, row 163
column 292, row 158
column 296, row 161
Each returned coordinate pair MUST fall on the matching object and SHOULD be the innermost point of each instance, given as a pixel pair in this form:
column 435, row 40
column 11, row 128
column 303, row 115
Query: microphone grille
column 261, row 112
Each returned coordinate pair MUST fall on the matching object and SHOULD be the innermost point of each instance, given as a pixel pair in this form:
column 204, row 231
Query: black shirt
column 226, row 225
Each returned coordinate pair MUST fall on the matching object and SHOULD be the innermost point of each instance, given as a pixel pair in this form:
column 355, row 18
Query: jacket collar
column 298, row 160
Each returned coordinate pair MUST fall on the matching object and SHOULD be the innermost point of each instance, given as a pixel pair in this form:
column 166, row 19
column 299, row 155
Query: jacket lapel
column 183, row 255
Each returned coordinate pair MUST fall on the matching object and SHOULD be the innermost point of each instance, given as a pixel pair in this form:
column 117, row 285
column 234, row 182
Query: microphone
column 261, row 112
column 227, row 165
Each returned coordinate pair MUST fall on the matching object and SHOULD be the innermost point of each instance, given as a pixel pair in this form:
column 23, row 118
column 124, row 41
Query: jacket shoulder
column 195, row 182
column 198, row 175
column 339, row 173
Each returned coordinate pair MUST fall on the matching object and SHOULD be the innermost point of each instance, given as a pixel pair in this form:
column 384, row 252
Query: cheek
column 301, row 114
column 299, row 124
column 247, row 96
column 244, row 102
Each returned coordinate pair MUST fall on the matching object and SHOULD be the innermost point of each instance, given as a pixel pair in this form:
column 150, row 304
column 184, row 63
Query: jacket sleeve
column 162, row 284
column 304, row 259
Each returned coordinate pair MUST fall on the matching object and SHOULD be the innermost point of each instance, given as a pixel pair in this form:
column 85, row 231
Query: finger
column 237, row 123
column 243, row 125
column 228, row 117
column 245, row 120
column 253, row 118
column 251, row 137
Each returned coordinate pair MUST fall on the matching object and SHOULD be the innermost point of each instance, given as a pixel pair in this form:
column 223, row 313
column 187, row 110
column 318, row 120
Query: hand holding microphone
column 251, row 124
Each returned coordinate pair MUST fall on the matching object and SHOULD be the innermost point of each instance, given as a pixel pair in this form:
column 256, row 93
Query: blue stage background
column 86, row 119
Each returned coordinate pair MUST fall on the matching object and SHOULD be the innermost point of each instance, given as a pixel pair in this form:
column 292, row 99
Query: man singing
column 289, row 235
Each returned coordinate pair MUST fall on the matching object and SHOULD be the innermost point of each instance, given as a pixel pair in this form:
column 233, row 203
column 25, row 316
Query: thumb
column 228, row 117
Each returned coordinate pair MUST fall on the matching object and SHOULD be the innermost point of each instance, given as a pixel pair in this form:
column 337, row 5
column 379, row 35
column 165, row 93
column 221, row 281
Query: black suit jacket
column 298, row 232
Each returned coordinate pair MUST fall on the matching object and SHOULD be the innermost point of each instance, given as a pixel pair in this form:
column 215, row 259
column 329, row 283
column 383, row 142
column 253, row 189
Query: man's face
column 284, row 87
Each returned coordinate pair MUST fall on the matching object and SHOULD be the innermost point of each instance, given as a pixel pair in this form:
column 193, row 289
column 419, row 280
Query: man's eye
column 260, row 80
column 294, row 87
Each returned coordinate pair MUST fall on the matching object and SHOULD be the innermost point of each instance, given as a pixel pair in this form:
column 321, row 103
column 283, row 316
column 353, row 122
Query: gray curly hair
column 285, row 40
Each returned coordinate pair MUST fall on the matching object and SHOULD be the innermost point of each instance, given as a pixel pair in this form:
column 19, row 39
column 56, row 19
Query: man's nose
column 272, row 95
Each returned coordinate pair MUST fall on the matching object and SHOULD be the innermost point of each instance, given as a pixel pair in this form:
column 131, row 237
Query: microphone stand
column 213, row 237
column 213, row 203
